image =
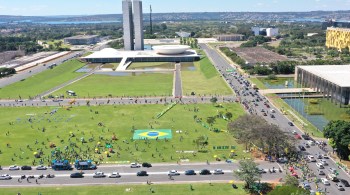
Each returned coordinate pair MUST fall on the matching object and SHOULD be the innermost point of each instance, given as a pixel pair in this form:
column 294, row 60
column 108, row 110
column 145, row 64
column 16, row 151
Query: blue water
column 279, row 85
column 298, row 105
column 77, row 22
column 148, row 47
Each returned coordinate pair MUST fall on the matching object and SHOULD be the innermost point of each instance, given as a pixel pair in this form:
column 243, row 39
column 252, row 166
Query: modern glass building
column 128, row 25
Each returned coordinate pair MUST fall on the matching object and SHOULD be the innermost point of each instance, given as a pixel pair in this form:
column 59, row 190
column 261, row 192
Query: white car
column 173, row 173
column 99, row 175
column 324, row 162
column 41, row 167
column 14, row 168
column 134, row 165
column 325, row 156
column 319, row 165
column 311, row 158
column 5, row 177
column 325, row 181
column 218, row 172
column 332, row 170
column 312, row 143
column 115, row 175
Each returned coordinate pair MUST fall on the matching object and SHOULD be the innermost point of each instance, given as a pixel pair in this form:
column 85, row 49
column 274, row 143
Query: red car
column 297, row 136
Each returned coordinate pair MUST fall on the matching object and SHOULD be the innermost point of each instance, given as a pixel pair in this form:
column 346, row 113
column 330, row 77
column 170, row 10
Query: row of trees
column 233, row 56
column 339, row 134
column 256, row 40
column 254, row 131
column 193, row 42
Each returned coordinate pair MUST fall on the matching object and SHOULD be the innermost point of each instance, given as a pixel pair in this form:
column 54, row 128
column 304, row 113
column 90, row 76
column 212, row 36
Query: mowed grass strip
column 205, row 80
column 42, row 82
column 150, row 84
column 42, row 129
column 174, row 189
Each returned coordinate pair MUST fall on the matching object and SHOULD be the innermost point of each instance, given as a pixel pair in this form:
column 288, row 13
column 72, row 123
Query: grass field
column 176, row 189
column 150, row 84
column 43, row 81
column 24, row 126
column 205, row 80
column 328, row 109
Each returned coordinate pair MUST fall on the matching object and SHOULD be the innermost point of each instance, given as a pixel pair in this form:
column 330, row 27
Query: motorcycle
column 41, row 176
column 280, row 170
column 50, row 176
column 23, row 176
column 31, row 177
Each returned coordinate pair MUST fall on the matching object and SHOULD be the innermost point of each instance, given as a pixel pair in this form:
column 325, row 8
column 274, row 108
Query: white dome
column 171, row 49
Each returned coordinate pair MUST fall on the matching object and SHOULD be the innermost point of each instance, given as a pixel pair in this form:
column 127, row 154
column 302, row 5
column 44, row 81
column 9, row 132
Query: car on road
column 311, row 143
column 282, row 160
column 142, row 173
column 134, row 165
column 305, row 137
column 190, row 172
column 115, row 175
column 290, row 124
column 14, row 168
column 323, row 162
column 262, row 170
column 265, row 114
column 319, row 165
column 332, row 170
column 321, row 172
column 41, row 167
column 218, row 172
column 325, row 181
column 272, row 116
column 307, row 145
column 173, row 173
column 146, row 164
column 204, row 172
column 99, row 175
column 5, row 177
column 340, row 187
column 302, row 148
column 311, row 158
column 76, row 175
column 306, row 186
column 294, row 132
column 325, row 156
column 344, row 182
column 26, row 168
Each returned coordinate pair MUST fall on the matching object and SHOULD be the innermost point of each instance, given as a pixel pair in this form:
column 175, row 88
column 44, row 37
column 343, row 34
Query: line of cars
column 26, row 168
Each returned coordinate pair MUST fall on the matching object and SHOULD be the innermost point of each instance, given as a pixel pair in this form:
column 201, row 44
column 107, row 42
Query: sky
column 90, row 7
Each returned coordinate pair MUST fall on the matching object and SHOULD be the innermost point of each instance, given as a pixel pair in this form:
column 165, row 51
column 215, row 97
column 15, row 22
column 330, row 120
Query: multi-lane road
column 157, row 174
column 279, row 119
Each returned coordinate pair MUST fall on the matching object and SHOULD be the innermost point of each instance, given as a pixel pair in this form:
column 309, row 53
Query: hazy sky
column 88, row 7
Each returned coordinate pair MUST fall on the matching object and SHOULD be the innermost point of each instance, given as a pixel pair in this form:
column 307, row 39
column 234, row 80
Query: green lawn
column 257, row 82
column 141, row 65
column 84, row 122
column 42, row 82
column 328, row 109
column 157, row 84
column 176, row 189
column 205, row 80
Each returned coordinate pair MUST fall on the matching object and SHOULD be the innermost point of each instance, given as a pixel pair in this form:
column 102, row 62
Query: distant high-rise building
column 128, row 25
column 133, row 25
column 138, row 25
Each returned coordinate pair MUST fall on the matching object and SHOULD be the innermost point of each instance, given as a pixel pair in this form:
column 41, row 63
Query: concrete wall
column 128, row 25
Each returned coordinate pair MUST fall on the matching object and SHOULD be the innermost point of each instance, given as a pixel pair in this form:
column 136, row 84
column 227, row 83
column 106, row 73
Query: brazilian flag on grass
column 153, row 134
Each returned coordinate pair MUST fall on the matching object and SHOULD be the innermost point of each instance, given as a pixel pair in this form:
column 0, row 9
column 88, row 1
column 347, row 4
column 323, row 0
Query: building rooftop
column 337, row 74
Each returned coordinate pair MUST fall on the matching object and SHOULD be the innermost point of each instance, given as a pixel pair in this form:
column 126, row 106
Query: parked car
column 41, row 167
column 14, row 168
column 218, row 172
column 99, row 175
column 142, row 173
column 115, row 175
column 5, row 177
column 26, row 168
column 340, row 187
column 173, row 173
column 320, row 172
column 325, row 181
column 147, row 165
column 319, row 165
column 344, row 182
column 204, row 172
column 134, row 165
column 190, row 172
column 76, row 175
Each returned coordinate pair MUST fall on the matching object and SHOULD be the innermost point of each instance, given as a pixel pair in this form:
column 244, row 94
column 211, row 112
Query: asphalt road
column 35, row 70
column 157, row 174
column 279, row 119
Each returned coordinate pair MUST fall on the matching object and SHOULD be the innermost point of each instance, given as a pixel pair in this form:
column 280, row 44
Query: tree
column 214, row 100
column 202, row 141
column 248, row 172
column 211, row 120
column 339, row 132
column 291, row 181
column 229, row 115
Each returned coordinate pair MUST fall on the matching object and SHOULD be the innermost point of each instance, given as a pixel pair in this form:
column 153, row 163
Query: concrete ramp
column 123, row 65
column 287, row 90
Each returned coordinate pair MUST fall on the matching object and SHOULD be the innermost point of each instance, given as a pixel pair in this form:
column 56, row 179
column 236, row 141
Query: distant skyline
column 92, row 7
